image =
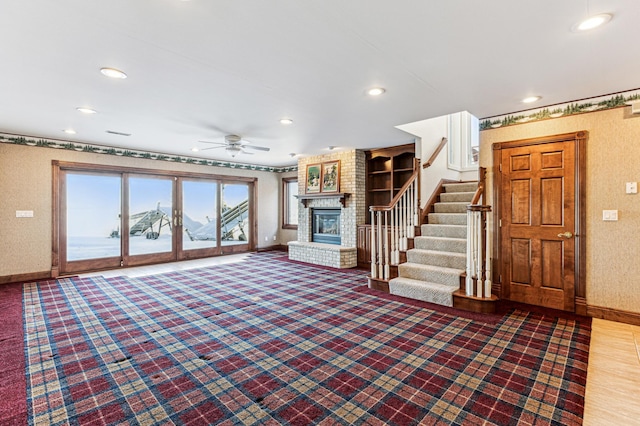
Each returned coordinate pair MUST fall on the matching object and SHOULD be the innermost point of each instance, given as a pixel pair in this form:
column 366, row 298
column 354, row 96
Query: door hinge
column 500, row 166
column 499, row 223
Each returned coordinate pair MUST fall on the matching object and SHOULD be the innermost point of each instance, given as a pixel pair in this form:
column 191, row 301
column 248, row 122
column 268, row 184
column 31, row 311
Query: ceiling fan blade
column 213, row 147
column 216, row 143
column 257, row 148
column 246, row 152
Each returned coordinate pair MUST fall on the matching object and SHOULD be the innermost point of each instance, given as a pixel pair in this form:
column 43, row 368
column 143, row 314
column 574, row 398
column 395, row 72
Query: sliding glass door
column 150, row 215
column 117, row 217
column 234, row 222
column 91, row 225
column 199, row 218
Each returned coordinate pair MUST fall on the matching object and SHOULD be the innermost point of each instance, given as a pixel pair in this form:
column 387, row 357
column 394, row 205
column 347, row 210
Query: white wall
column 430, row 132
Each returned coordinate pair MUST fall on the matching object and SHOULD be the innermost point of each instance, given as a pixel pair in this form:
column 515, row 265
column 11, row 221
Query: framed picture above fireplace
column 312, row 185
column 331, row 176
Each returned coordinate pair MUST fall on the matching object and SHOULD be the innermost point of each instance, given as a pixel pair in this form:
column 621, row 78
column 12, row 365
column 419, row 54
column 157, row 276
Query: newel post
column 478, row 283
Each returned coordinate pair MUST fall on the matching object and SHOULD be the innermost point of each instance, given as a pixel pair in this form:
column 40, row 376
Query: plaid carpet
column 270, row 342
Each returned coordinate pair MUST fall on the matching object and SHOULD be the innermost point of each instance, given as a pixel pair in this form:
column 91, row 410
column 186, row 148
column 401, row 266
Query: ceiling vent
column 118, row 133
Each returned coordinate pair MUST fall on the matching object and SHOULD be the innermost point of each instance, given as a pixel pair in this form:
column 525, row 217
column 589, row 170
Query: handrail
column 482, row 172
column 433, row 157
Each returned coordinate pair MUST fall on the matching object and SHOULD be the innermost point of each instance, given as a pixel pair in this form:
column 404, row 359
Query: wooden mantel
column 306, row 197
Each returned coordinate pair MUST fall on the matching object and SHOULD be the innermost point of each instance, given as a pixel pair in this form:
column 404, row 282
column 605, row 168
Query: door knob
column 565, row 235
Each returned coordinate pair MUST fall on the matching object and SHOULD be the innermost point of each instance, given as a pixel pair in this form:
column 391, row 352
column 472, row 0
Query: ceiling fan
column 234, row 145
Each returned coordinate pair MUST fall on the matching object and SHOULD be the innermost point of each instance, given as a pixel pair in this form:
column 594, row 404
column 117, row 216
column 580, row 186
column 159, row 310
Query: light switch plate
column 610, row 215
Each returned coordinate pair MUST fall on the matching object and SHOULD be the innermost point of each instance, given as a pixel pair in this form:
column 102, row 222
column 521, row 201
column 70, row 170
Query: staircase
column 434, row 266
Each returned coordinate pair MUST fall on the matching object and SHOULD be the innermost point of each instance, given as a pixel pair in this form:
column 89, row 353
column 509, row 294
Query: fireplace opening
column 325, row 226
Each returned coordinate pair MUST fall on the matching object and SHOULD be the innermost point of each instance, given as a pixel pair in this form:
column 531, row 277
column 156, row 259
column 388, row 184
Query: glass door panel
column 199, row 215
column 92, row 216
column 150, row 215
column 234, row 218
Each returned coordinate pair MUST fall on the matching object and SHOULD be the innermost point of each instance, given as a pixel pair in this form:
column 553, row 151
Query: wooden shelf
column 306, row 197
column 387, row 171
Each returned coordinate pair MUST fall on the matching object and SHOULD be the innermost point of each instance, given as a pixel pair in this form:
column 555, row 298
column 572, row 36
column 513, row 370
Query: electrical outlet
column 274, row 238
column 266, row 238
column 610, row 215
column 632, row 187
column 24, row 213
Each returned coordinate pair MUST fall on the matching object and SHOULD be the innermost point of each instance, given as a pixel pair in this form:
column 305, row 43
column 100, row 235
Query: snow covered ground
column 83, row 248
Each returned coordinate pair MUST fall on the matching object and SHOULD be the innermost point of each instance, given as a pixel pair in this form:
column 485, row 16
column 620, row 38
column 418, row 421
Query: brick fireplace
column 352, row 213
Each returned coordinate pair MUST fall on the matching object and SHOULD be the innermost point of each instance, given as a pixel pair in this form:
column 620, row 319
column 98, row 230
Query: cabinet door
column 364, row 245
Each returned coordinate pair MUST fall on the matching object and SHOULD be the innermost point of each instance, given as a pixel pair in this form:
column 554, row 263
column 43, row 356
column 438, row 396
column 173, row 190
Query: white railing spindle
column 380, row 268
column 374, row 267
column 385, row 238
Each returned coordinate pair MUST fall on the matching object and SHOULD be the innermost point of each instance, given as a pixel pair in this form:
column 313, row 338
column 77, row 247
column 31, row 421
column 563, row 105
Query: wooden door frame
column 579, row 139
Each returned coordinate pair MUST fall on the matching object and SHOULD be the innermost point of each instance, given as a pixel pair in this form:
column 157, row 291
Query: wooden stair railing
column 475, row 289
column 393, row 228
column 433, row 157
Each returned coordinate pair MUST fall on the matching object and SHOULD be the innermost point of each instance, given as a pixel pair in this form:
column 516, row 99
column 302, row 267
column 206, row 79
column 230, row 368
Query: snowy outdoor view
column 94, row 205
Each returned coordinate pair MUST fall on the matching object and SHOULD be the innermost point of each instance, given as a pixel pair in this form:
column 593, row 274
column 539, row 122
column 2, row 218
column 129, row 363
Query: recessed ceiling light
column 531, row 99
column 195, row 149
column 86, row 110
column 375, row 91
column 112, row 73
column 69, row 131
column 592, row 22
column 286, row 121
column 293, row 154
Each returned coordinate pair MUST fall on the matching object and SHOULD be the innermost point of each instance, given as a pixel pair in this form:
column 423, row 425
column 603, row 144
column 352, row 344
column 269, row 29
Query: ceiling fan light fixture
column 113, row 73
column 592, row 22
column 233, row 150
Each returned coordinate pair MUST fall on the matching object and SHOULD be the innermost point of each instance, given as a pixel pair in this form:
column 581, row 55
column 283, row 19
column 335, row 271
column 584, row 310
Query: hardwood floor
column 613, row 378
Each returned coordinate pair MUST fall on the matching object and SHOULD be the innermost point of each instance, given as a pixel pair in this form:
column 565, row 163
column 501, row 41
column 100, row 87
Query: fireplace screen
column 326, row 226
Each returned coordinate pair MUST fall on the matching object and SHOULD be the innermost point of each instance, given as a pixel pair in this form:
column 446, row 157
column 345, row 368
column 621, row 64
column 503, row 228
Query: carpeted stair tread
column 452, row 197
column 433, row 268
column 460, row 207
column 454, row 245
column 461, row 187
column 443, row 230
column 421, row 290
column 447, row 218
column 437, row 258
column 431, row 273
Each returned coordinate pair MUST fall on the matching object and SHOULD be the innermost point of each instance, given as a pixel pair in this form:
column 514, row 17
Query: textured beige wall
column 613, row 158
column 25, row 184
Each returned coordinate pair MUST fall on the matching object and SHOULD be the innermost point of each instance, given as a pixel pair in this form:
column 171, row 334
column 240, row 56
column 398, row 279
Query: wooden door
column 538, row 224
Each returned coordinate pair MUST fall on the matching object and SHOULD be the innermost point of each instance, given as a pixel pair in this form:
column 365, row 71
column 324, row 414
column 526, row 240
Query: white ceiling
column 200, row 69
